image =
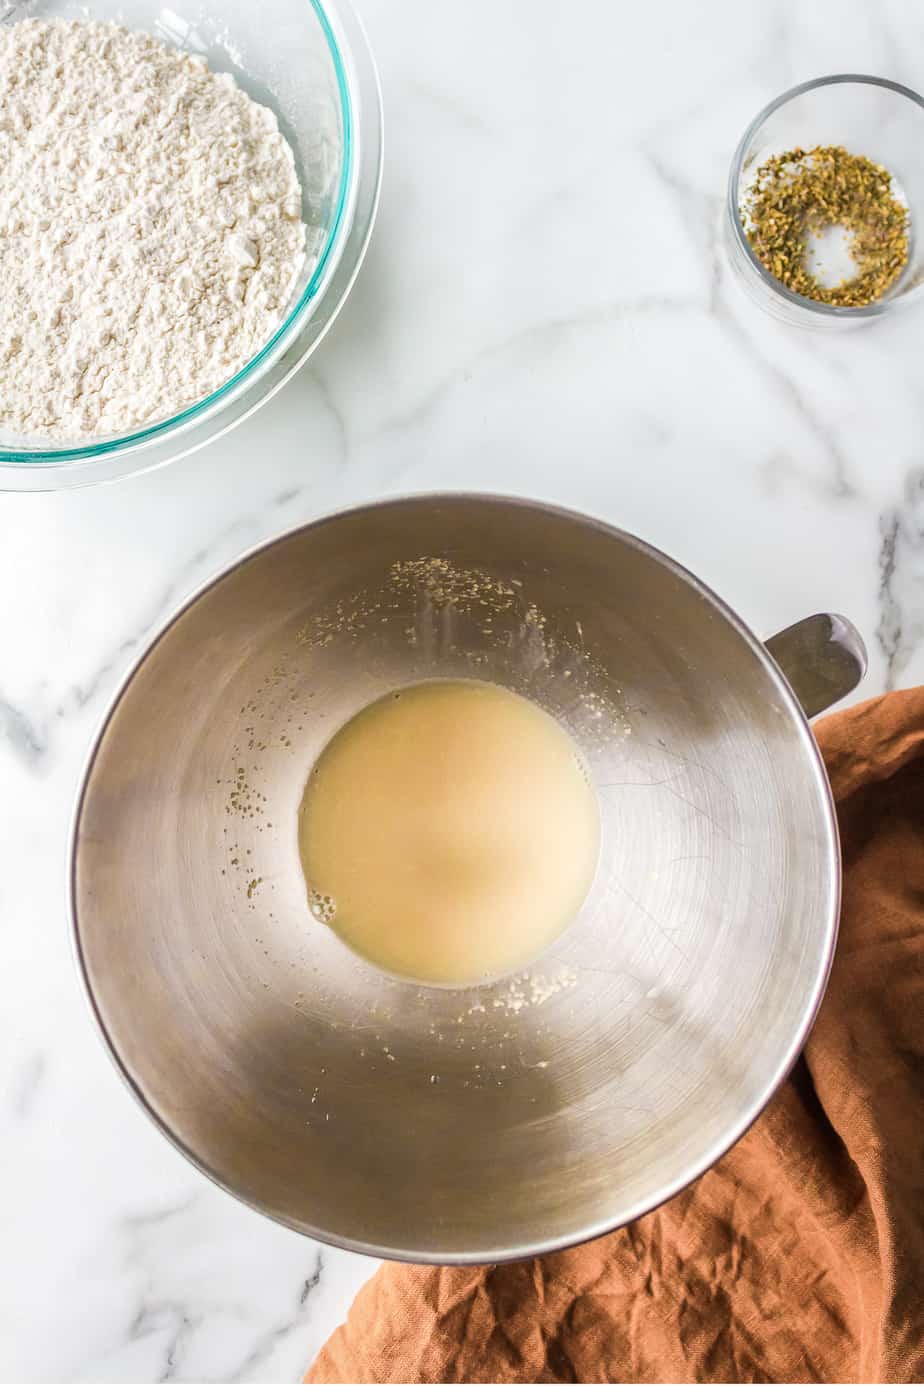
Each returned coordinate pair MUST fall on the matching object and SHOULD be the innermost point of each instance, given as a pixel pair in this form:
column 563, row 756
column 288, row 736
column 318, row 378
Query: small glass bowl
column 308, row 60
column 867, row 115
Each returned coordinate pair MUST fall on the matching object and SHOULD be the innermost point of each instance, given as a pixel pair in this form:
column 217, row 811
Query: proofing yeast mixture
column 150, row 228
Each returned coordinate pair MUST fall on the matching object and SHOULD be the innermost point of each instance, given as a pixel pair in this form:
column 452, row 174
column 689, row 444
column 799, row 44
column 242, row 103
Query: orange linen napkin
column 800, row 1255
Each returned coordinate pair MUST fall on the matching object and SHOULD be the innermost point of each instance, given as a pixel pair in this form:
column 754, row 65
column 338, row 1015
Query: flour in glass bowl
column 150, row 228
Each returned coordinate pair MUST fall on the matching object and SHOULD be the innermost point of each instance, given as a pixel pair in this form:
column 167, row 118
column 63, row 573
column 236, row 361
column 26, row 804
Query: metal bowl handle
column 823, row 659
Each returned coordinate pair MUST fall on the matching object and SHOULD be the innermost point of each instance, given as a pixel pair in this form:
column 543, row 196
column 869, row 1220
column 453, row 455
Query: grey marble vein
column 889, row 629
column 134, row 1223
column 27, row 742
column 326, row 396
column 839, row 485
column 174, row 1319
column 179, row 1325
column 270, row 1339
column 461, row 114
column 706, row 211
column 536, row 339
column 900, row 630
column 27, row 1083
column 22, row 733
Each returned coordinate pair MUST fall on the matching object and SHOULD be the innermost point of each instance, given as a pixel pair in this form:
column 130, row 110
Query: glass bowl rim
column 824, row 310
column 40, row 457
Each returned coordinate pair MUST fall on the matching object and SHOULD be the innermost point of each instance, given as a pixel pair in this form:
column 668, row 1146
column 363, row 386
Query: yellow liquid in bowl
column 449, row 832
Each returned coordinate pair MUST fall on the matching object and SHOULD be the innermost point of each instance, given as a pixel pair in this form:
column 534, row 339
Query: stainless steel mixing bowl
column 430, row 1123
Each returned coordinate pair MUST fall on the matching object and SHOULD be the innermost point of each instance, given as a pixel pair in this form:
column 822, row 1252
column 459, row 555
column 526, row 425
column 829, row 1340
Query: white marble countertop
column 545, row 310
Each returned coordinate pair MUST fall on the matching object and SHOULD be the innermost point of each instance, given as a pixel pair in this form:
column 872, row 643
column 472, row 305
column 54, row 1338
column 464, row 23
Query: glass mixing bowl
column 867, row 115
column 308, row 60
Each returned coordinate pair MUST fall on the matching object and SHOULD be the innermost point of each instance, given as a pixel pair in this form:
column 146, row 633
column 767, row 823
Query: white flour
column 150, row 228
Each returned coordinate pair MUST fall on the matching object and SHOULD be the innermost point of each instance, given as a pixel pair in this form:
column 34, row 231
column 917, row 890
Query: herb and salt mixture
column 798, row 197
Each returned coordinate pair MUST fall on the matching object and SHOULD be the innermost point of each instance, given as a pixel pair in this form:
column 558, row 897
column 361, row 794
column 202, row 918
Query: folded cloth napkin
column 800, row 1255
